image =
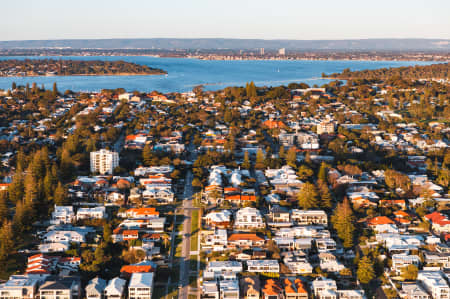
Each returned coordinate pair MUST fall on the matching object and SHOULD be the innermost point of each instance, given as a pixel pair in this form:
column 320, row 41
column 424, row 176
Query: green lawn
column 195, row 230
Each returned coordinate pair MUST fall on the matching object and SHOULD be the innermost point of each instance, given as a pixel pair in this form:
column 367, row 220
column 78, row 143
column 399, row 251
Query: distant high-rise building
column 104, row 161
column 261, row 51
column 282, row 51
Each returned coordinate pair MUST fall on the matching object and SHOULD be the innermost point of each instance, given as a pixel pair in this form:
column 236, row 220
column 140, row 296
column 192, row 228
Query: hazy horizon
column 242, row 19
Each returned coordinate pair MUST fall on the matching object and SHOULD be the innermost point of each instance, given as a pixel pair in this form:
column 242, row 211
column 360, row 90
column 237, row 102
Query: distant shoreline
column 74, row 75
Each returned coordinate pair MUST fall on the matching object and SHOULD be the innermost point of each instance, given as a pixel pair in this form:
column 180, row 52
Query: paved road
column 186, row 243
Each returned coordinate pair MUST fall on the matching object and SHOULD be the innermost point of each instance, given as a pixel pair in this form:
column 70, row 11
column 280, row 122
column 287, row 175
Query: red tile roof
column 380, row 220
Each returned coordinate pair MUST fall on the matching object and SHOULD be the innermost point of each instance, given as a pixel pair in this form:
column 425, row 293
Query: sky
column 260, row 19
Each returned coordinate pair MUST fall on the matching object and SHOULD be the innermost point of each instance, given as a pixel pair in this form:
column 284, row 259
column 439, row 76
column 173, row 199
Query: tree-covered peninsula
column 53, row 67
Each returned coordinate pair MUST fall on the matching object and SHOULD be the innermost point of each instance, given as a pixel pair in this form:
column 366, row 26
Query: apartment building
column 141, row 286
column 309, row 217
column 435, row 283
column 104, row 161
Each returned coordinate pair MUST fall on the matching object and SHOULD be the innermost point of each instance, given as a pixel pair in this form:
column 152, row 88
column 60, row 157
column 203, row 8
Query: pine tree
column 60, row 196
column 322, row 175
column 16, row 189
column 107, row 233
column 291, row 157
column 281, row 152
column 325, row 195
column 246, row 163
column 259, row 162
column 91, row 145
column 365, row 270
column 343, row 223
column 66, row 166
column 4, row 210
column 22, row 219
column 55, row 90
column 6, row 240
column 147, row 155
column 31, row 188
column 308, row 196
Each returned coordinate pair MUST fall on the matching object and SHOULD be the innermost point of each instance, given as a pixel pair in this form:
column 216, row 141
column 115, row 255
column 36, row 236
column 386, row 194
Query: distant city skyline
column 260, row 19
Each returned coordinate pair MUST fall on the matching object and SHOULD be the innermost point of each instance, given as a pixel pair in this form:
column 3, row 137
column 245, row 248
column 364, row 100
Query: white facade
column 435, row 284
column 265, row 266
column 64, row 236
column 62, row 215
column 115, row 288
column 91, row 213
column 141, row 286
column 249, row 218
column 104, row 161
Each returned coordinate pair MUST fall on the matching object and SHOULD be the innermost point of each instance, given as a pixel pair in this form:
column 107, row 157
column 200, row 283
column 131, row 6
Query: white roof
column 115, row 286
column 141, row 280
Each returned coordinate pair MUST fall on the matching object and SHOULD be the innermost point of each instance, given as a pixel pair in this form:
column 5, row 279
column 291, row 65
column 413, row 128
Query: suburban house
column 95, row 288
column 248, row 219
column 65, row 287
column 272, row 290
column 294, row 289
column 222, row 269
column 245, row 240
column 308, row 217
column 210, row 290
column 91, row 213
column 265, row 266
column 401, row 261
column 217, row 239
column 220, row 219
column 413, row 291
column 229, row 289
column 115, row 288
column 250, row 287
column 324, row 288
column 65, row 236
column 141, row 286
column 435, row 283
column 19, row 286
column 62, row 215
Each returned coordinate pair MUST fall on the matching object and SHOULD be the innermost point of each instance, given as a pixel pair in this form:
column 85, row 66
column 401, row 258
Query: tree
column 228, row 116
column 395, row 179
column 304, row 172
column 197, row 183
column 16, row 189
column 6, row 240
column 60, row 196
column 308, row 196
column 291, row 157
column 166, row 238
column 343, row 222
column 4, row 210
column 246, row 163
column 147, row 155
column 322, row 175
column 365, row 270
column 107, row 233
column 325, row 195
column 55, row 90
column 444, row 177
column 281, row 152
column 410, row 272
column 259, row 163
column 251, row 90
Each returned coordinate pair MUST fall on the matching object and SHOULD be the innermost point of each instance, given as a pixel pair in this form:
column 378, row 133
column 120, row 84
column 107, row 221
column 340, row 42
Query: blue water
column 185, row 73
